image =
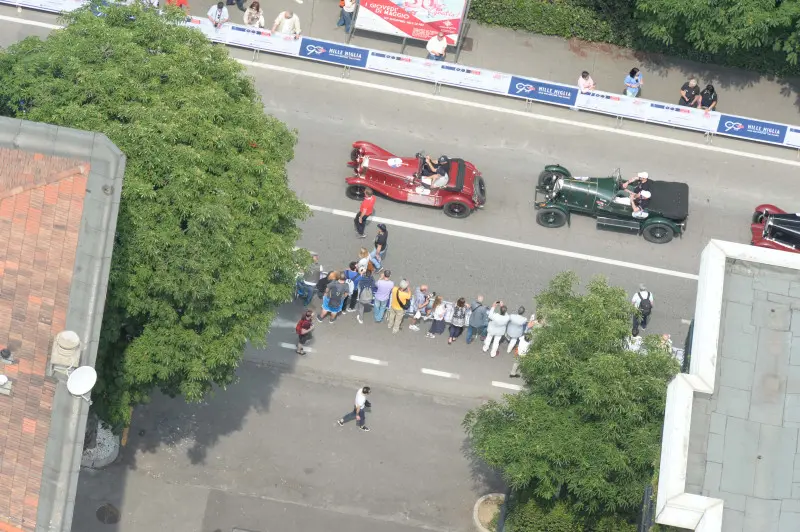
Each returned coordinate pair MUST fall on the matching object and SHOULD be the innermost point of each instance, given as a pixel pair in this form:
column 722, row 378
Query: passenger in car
column 639, row 202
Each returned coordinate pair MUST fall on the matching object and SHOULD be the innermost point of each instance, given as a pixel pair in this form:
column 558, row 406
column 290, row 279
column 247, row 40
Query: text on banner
column 737, row 126
column 329, row 52
column 542, row 92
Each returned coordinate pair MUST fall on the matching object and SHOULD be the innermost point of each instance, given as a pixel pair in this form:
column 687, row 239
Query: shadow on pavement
column 482, row 475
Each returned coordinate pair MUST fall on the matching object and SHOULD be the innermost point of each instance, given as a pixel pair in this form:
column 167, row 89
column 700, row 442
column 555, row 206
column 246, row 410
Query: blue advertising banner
column 747, row 128
column 340, row 54
column 543, row 92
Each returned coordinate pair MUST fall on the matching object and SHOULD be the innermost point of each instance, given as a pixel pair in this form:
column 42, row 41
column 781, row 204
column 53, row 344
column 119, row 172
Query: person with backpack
column 323, row 283
column 334, row 297
column 643, row 301
column 399, row 303
column 351, row 277
column 303, row 329
column 366, row 293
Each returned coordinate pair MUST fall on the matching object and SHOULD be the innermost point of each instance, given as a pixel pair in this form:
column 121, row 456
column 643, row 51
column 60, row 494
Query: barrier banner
column 736, row 126
column 415, row 19
column 473, row 78
column 53, row 6
column 792, row 138
column 262, row 40
column 543, row 92
column 613, row 104
column 687, row 117
column 402, row 65
column 340, row 54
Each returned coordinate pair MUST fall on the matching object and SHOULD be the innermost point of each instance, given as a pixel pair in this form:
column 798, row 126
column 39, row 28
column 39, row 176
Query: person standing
column 398, row 304
column 287, row 22
column 358, row 413
column 352, row 277
column 346, row 15
column 437, row 47
column 218, row 15
column 311, row 277
column 253, row 16
column 383, row 291
column 478, row 320
column 516, row 328
column 381, row 245
column 363, row 259
column 525, row 343
column 365, row 211
column 690, row 94
column 437, row 314
column 458, row 320
column 333, row 300
column 643, row 301
column 419, row 306
column 366, row 293
column 633, row 83
column 303, row 330
column 585, row 82
column 498, row 321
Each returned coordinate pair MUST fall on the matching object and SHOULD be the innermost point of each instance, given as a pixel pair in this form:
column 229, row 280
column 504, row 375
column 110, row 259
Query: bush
column 559, row 18
column 531, row 515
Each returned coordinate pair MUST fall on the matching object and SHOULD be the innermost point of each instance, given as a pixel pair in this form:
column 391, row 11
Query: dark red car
column 774, row 228
column 398, row 178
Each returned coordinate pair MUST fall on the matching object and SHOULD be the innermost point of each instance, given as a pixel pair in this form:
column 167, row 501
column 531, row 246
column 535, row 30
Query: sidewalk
column 555, row 59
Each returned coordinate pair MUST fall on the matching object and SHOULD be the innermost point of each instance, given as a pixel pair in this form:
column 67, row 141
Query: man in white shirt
column 287, row 22
column 585, row 82
column 358, row 413
column 346, row 14
column 437, row 47
column 643, row 301
column 218, row 15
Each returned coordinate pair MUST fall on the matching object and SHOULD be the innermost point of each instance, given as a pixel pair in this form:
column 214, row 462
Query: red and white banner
column 415, row 19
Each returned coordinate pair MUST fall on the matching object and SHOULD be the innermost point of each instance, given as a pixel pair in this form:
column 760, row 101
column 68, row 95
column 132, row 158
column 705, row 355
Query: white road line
column 475, row 105
column 512, row 244
column 437, row 373
column 367, row 360
column 500, row 384
column 294, row 347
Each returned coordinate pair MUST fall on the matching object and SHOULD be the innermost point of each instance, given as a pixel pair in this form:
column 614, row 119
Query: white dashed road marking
column 294, row 347
column 499, row 384
column 367, row 360
column 511, row 243
column 437, row 373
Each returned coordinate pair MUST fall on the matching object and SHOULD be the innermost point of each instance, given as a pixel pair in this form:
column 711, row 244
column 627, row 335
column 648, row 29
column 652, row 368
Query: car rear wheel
column 551, row 218
column 658, row 233
column 457, row 209
column 355, row 192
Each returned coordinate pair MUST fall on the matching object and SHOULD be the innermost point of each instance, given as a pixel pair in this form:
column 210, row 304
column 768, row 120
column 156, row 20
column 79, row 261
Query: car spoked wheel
column 355, row 192
column 552, row 218
column 758, row 217
column 548, row 179
column 456, row 209
column 658, row 233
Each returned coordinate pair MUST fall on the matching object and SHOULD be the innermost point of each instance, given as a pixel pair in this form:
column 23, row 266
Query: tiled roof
column 41, row 206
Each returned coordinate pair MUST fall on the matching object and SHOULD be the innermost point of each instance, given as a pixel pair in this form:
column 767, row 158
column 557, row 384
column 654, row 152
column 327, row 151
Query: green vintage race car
column 559, row 194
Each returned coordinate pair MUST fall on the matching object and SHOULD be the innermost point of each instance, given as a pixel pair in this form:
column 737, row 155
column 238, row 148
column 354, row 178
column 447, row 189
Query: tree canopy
column 586, row 430
column 207, row 224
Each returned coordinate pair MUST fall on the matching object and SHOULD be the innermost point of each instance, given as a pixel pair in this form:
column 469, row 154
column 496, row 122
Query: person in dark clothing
column 708, row 98
column 381, row 244
column 690, row 94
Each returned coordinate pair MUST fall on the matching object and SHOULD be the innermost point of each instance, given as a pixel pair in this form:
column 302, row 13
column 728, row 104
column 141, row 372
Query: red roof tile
column 41, row 205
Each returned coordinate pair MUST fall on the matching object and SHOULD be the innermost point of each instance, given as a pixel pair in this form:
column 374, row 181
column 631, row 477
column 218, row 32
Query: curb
column 478, row 526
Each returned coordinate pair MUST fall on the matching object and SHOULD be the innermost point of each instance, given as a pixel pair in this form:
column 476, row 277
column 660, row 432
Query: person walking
column 346, row 18
column 366, row 293
column 366, row 209
column 398, row 305
column 516, row 328
column 498, row 321
column 303, row 329
column 478, row 320
column 643, row 301
column 437, row 314
column 459, row 319
column 378, row 254
column 359, row 412
column 383, row 291
column 333, row 300
column 419, row 306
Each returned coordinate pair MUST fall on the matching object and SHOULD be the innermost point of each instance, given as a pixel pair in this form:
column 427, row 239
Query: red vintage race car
column 401, row 179
column 775, row 228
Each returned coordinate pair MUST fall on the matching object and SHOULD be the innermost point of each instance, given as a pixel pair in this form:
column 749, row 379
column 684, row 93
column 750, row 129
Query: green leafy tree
column 587, row 428
column 723, row 26
column 207, row 224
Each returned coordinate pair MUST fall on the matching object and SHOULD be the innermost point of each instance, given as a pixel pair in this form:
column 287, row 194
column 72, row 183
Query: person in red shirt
column 183, row 4
column 364, row 212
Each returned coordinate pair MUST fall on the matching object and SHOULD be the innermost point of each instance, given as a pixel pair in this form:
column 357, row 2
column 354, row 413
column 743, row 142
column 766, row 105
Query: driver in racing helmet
column 434, row 175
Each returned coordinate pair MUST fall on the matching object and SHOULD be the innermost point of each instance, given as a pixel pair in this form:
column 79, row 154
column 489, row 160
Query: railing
column 531, row 90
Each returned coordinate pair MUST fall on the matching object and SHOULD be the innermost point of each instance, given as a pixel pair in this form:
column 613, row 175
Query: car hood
column 398, row 166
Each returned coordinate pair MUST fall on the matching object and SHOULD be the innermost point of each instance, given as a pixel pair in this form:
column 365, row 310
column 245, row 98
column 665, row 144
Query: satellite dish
column 81, row 381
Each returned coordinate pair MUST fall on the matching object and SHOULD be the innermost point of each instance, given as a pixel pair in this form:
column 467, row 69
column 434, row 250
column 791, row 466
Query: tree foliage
column 587, row 428
column 207, row 223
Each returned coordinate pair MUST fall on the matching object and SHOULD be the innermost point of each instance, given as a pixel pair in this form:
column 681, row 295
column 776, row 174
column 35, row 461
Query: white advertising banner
column 256, row 39
column 613, row 104
column 687, row 117
column 792, row 137
column 402, row 65
column 54, row 6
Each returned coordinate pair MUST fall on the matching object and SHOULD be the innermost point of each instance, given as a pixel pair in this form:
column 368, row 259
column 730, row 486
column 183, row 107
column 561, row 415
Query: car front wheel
column 551, row 218
column 355, row 192
column 658, row 233
column 457, row 209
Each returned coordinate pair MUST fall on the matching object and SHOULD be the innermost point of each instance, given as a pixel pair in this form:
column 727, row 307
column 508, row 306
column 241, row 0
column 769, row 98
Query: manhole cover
column 108, row 514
